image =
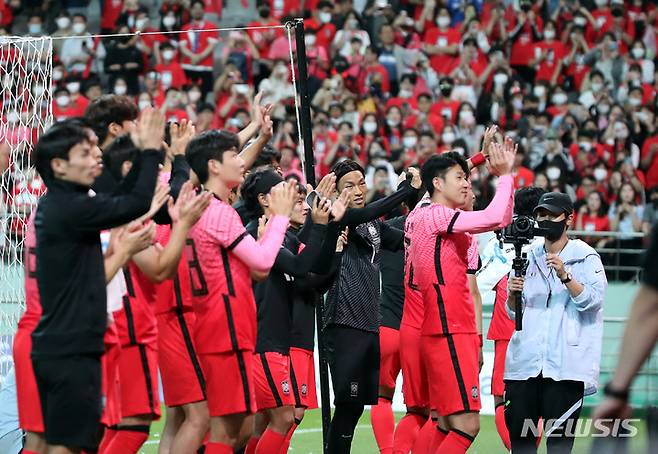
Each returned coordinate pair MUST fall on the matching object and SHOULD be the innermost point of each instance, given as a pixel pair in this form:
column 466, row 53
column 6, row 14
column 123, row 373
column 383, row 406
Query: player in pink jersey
column 439, row 261
column 221, row 255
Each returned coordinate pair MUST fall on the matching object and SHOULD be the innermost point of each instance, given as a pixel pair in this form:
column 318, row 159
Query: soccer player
column 221, row 255
column 274, row 299
column 68, row 341
column 438, row 253
column 352, row 318
column 492, row 280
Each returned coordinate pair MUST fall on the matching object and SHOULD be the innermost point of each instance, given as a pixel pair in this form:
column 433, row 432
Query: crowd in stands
column 393, row 82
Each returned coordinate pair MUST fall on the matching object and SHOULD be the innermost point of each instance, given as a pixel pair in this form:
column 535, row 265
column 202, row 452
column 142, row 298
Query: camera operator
column 554, row 361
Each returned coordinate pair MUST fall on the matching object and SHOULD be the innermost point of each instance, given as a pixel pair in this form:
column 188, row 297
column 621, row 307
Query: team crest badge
column 304, row 389
column 474, row 392
column 285, row 387
column 354, row 389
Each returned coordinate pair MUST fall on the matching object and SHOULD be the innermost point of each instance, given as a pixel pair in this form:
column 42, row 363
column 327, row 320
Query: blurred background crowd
column 392, row 82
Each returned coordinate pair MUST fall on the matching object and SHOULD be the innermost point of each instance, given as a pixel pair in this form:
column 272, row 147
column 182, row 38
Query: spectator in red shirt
column 548, row 53
column 169, row 67
column 593, row 217
column 198, row 47
column 173, row 15
column 73, row 84
column 263, row 38
column 373, row 73
column 523, row 176
column 128, row 16
column 62, row 108
column 111, row 11
column 445, row 106
column 441, row 43
column 525, row 33
column 241, row 52
column 173, row 107
column 146, row 42
column 318, row 62
column 321, row 23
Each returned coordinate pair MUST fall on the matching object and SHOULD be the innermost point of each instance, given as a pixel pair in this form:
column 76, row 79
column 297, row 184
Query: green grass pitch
column 308, row 438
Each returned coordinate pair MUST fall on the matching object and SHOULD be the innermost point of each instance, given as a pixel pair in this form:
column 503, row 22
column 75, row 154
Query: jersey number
column 195, row 268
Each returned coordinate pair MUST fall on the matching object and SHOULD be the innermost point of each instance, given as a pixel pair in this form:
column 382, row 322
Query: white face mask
column 309, row 40
column 604, row 109
column 553, row 173
column 63, row 22
column 62, row 100
column 559, row 99
column 596, row 87
column 370, row 126
column 38, row 90
column 585, row 145
column 168, row 54
column 580, row 21
column 325, row 17
column 443, row 21
column 57, row 74
column 392, row 122
column 635, row 102
column 600, row 173
column 549, row 34
column 169, row 21
column 405, row 93
column 144, row 104
column 34, row 29
column 120, row 90
column 638, row 53
column 409, row 141
column 517, row 103
column 194, row 96
column 500, row 79
column 140, row 24
column 79, row 27
column 601, row 2
column 539, row 91
column 13, row 117
column 621, row 132
column 73, row 87
column 467, row 117
column 448, row 137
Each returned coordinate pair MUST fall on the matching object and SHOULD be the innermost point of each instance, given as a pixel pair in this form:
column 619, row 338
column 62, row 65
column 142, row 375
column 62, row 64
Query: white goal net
column 25, row 113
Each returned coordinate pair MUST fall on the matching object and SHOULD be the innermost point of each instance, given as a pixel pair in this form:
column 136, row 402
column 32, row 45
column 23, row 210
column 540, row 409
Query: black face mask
column 554, row 229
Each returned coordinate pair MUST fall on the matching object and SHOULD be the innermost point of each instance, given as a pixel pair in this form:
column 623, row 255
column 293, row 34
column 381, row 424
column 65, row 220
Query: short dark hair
column 108, row 109
column 206, row 146
column 438, row 166
column 342, row 168
column 266, row 156
column 526, row 199
column 194, row 2
column 121, row 149
column 56, row 142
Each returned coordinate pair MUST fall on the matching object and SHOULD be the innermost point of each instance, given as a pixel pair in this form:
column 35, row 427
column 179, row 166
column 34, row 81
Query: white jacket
column 562, row 335
column 496, row 264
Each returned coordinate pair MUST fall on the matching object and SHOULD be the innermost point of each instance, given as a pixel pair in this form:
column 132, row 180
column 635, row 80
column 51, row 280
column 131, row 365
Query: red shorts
column 27, row 395
column 389, row 356
column 110, row 385
column 452, row 371
column 180, row 369
column 414, row 375
column 229, row 382
column 497, row 383
column 302, row 376
column 272, row 380
column 138, row 372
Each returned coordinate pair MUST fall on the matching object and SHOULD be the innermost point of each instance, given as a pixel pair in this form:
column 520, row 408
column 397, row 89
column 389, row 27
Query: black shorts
column 70, row 392
column 353, row 357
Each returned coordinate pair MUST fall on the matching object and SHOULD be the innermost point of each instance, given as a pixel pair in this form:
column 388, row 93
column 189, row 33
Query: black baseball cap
column 556, row 203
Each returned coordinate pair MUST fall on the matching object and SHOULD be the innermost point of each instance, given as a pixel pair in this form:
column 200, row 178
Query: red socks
column 270, row 442
column 108, row 436
column 437, row 439
column 406, row 432
column 127, row 440
column 425, row 435
column 24, row 451
column 218, row 448
column 383, row 424
column 286, row 442
column 456, row 442
column 501, row 426
column 251, row 445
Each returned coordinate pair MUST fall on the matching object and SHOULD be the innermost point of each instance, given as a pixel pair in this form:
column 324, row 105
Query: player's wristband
column 621, row 394
column 478, row 159
column 481, row 341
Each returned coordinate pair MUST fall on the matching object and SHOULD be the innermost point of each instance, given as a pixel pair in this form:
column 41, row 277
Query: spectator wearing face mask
column 124, row 60
column 526, row 29
column 467, row 128
column 278, row 89
column 168, row 67
column 76, row 51
column 62, row 108
column 197, row 47
column 593, row 217
column 263, row 38
column 173, row 15
column 63, row 24
column 321, row 22
column 172, row 107
column 441, row 43
column 111, row 10
column 73, row 85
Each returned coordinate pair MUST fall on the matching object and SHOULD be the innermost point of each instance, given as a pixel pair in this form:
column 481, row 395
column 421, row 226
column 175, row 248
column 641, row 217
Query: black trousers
column 558, row 403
